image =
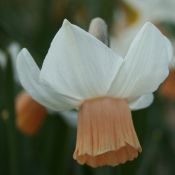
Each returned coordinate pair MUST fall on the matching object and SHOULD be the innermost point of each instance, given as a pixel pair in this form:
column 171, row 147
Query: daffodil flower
column 80, row 72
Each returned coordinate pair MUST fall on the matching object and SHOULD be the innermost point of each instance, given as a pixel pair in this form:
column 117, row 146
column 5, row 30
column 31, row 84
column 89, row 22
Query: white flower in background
column 13, row 50
column 80, row 72
column 155, row 11
column 3, row 60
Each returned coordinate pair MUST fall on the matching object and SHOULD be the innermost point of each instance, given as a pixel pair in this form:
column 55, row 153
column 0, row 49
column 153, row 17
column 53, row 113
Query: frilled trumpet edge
column 29, row 114
column 105, row 133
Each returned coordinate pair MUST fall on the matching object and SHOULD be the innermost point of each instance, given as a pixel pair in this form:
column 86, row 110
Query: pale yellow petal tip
column 22, row 55
column 66, row 22
column 106, row 135
column 149, row 24
column 150, row 27
column 22, row 52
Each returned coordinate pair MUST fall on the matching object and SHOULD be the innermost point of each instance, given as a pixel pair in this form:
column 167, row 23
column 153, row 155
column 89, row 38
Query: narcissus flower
column 81, row 72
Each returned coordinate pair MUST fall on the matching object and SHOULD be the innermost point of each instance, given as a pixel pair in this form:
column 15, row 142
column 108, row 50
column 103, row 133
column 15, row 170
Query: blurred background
column 35, row 140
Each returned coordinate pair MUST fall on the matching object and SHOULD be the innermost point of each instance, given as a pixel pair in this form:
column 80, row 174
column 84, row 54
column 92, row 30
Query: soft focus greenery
column 33, row 24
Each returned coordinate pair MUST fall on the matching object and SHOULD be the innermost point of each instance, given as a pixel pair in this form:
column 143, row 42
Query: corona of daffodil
column 80, row 72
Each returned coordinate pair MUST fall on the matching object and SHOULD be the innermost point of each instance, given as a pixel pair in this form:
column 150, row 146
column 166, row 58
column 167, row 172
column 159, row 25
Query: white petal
column 78, row 64
column 145, row 65
column 28, row 73
column 141, row 102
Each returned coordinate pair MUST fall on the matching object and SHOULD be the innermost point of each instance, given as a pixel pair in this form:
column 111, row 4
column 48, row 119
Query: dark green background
column 33, row 24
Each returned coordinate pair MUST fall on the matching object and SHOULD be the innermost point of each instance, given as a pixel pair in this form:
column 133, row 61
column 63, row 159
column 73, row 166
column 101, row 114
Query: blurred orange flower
column 167, row 89
column 29, row 114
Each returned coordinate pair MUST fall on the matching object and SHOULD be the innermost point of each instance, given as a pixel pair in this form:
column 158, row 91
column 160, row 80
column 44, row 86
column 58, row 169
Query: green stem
column 10, row 121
